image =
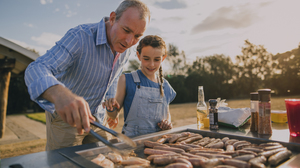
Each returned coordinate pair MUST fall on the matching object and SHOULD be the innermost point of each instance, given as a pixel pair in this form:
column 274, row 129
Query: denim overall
column 147, row 109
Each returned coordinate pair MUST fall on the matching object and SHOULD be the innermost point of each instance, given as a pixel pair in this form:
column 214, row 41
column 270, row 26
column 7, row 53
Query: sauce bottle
column 254, row 111
column 201, row 108
column 213, row 114
column 264, row 114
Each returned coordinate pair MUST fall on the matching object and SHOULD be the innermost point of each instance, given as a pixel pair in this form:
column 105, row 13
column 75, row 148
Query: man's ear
column 138, row 55
column 164, row 57
column 112, row 18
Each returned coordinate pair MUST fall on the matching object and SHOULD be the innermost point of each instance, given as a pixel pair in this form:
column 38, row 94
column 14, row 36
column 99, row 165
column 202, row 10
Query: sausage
column 151, row 144
column 224, row 166
column 210, row 163
column 178, row 165
column 177, row 150
column 242, row 146
column 174, row 137
column 206, row 142
column 193, row 146
column 237, row 163
column 271, row 152
column 267, row 148
column 150, row 151
column 197, row 161
column 256, row 150
column 135, row 161
column 185, row 161
column 245, row 152
column 192, row 139
column 269, row 144
column 181, row 146
column 209, row 155
column 239, row 143
column 258, row 162
column 225, row 139
column 164, row 160
column 162, row 140
column 218, row 145
column 189, row 155
column 213, row 142
column 231, row 142
column 245, row 158
column 151, row 157
column 280, row 156
column 199, row 150
column 229, row 148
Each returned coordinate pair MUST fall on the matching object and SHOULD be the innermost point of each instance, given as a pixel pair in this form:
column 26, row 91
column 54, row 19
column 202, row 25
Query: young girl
column 144, row 96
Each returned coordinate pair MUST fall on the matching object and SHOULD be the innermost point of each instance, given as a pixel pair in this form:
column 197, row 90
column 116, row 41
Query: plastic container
column 278, row 116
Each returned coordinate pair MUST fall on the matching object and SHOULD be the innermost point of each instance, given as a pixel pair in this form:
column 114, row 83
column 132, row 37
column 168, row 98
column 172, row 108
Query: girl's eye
column 157, row 59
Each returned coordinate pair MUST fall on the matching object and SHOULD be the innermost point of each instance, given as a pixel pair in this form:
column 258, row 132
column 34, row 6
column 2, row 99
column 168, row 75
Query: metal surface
column 89, row 154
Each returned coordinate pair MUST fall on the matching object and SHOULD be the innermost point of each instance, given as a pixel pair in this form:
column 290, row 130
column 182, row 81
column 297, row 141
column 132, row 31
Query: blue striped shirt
column 82, row 61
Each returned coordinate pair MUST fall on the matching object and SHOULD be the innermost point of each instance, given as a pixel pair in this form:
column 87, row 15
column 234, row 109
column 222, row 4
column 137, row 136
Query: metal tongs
column 114, row 148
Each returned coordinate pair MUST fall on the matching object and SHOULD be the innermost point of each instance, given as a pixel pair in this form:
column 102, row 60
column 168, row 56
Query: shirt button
column 125, row 125
column 123, row 132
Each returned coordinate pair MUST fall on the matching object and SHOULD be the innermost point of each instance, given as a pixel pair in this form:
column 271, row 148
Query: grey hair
column 143, row 9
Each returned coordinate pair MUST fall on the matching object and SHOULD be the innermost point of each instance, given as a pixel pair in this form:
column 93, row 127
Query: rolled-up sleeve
column 40, row 74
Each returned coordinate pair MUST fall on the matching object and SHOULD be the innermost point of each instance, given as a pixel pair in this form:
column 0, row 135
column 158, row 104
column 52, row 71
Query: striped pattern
column 81, row 61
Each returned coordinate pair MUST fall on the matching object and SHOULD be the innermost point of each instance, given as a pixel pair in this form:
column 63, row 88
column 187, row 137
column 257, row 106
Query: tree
column 177, row 60
column 253, row 67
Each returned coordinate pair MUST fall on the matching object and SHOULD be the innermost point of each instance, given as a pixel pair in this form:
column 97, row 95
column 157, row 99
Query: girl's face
column 151, row 59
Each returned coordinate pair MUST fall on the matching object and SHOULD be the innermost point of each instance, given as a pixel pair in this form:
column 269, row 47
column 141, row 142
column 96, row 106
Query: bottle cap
column 264, row 95
column 254, row 96
column 212, row 102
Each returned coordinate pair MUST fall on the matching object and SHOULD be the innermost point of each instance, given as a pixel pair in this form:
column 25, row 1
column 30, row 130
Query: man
column 73, row 77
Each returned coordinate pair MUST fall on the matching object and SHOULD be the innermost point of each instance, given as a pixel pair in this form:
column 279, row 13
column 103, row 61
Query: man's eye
column 127, row 31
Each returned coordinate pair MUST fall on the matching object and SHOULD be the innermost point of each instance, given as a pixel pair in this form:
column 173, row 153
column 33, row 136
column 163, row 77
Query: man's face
column 126, row 31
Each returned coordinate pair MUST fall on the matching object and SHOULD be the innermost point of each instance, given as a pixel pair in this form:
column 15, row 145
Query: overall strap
column 136, row 78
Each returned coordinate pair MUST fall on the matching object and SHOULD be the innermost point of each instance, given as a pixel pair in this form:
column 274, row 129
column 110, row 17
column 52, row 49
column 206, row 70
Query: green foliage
column 41, row 117
column 254, row 69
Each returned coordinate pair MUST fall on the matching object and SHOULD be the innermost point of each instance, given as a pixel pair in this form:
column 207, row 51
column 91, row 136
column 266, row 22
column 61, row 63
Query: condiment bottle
column 254, row 111
column 213, row 114
column 264, row 116
column 201, row 108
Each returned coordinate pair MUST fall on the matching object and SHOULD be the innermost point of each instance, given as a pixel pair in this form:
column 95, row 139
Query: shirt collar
column 101, row 33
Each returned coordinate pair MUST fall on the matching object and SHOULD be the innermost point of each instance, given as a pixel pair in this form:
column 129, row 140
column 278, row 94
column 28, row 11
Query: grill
column 83, row 157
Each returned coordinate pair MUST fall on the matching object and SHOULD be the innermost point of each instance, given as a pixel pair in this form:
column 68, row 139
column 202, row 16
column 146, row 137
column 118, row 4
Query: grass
column 178, row 112
column 41, row 117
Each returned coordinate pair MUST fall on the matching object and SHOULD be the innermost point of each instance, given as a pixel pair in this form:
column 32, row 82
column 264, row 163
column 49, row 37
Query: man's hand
column 165, row 125
column 73, row 109
column 112, row 123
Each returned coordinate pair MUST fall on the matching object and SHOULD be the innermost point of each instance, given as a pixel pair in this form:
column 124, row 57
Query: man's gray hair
column 143, row 9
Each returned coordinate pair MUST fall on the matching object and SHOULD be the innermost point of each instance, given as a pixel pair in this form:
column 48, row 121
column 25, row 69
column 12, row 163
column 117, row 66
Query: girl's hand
column 111, row 104
column 112, row 123
column 165, row 125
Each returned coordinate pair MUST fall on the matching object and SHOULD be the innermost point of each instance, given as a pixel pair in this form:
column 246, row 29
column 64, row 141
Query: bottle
column 254, row 111
column 264, row 114
column 201, row 108
column 213, row 114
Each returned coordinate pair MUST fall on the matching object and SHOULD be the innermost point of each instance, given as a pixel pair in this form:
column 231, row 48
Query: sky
column 198, row 27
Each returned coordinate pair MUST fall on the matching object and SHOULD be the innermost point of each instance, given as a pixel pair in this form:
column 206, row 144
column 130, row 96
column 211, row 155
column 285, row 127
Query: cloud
column 227, row 17
column 46, row 39
column 44, row 2
column 28, row 25
column 171, row 4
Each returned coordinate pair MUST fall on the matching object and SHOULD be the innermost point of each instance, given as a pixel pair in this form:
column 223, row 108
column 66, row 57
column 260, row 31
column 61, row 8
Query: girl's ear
column 138, row 55
column 164, row 57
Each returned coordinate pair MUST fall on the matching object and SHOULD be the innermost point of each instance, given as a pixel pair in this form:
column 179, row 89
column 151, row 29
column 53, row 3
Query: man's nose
column 129, row 40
